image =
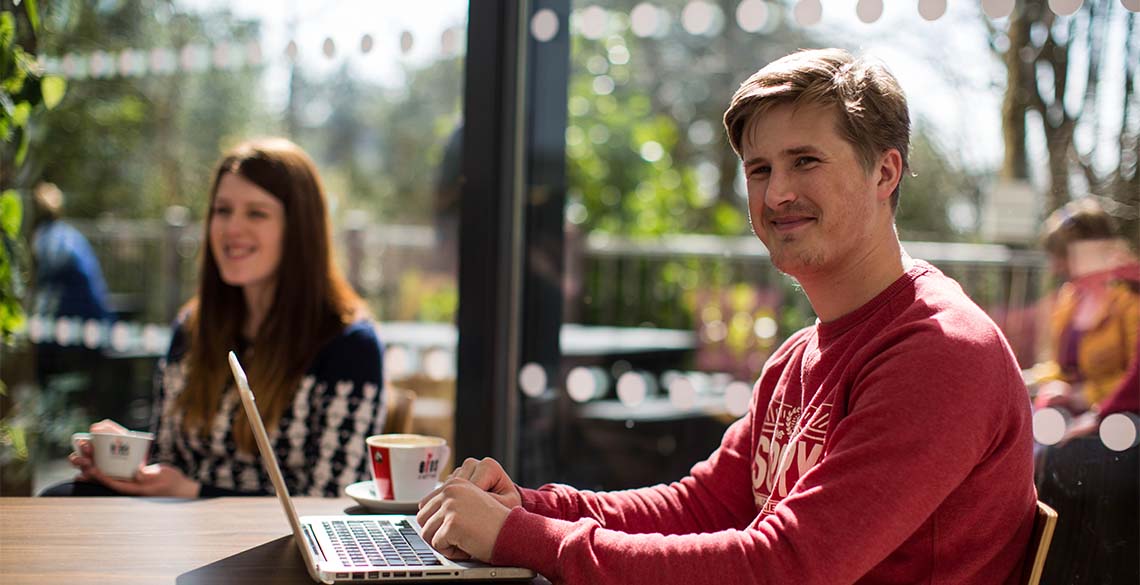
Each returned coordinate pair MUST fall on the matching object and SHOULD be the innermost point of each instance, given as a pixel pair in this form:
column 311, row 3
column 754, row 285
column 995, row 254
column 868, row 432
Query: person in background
column 269, row 289
column 1095, row 322
column 1095, row 345
column 68, row 284
column 68, row 279
column 888, row 443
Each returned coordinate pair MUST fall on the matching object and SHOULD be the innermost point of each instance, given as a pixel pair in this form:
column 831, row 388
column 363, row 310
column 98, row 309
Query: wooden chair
column 1043, row 526
column 399, row 402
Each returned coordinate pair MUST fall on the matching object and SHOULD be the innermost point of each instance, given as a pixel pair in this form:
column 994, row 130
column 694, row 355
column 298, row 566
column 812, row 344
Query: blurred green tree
column 645, row 145
column 133, row 144
column 1059, row 91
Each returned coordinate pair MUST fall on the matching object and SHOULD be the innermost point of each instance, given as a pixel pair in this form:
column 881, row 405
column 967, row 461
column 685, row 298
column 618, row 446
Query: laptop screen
column 268, row 458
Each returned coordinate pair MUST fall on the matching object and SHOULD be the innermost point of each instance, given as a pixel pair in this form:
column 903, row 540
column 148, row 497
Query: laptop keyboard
column 379, row 543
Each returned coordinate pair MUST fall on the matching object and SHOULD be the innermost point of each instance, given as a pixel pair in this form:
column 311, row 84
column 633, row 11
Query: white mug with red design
column 405, row 468
column 117, row 455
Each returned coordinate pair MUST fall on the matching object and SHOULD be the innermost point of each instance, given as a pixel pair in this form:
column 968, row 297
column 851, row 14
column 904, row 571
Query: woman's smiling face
column 247, row 227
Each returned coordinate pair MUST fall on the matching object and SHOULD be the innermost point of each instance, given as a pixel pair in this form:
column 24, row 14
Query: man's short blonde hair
column 870, row 104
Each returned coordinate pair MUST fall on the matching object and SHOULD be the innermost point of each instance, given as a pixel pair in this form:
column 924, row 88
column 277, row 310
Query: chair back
column 399, row 402
column 1043, row 525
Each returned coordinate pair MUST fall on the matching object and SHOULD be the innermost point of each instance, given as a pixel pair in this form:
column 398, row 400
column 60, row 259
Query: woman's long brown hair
column 312, row 301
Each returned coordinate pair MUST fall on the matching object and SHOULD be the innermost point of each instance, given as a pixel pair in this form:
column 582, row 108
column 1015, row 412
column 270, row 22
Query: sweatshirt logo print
column 791, row 442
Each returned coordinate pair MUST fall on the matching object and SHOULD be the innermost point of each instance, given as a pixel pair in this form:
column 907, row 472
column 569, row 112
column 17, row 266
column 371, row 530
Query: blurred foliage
column 41, row 425
column 646, row 151
column 936, row 184
column 25, row 93
column 381, row 148
column 135, row 146
column 632, row 168
column 12, row 260
column 426, row 297
column 647, row 157
column 132, row 146
column 1062, row 86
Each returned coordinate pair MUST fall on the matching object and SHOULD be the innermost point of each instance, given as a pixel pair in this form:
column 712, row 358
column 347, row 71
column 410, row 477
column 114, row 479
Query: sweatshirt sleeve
column 908, row 440
column 715, row 496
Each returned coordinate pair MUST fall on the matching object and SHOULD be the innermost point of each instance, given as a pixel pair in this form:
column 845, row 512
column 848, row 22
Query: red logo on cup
column 119, row 448
column 382, row 471
column 428, row 467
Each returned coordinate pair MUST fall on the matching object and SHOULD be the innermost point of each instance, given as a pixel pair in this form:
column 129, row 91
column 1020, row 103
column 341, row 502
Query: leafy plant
column 24, row 91
column 11, row 277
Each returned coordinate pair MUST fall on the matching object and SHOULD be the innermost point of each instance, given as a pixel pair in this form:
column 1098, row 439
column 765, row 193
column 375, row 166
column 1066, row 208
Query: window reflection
column 155, row 91
column 657, row 232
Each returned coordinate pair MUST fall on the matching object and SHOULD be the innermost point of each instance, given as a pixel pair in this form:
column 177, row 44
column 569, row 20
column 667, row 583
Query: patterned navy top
column 319, row 441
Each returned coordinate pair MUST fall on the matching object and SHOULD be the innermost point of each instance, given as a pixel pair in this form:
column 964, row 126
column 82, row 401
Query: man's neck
column 838, row 291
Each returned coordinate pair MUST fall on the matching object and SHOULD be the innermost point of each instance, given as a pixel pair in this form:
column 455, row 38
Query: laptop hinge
column 314, row 545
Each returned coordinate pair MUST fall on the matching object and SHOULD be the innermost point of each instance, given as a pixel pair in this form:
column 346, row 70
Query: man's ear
column 889, row 173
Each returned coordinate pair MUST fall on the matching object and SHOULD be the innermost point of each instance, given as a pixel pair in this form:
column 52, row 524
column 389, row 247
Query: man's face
column 809, row 199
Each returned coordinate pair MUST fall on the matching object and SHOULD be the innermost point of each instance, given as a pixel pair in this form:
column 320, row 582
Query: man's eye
column 760, row 171
column 223, row 211
column 804, row 160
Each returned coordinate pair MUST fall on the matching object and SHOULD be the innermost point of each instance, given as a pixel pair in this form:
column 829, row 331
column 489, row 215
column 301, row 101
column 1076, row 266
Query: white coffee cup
column 117, row 455
column 405, row 468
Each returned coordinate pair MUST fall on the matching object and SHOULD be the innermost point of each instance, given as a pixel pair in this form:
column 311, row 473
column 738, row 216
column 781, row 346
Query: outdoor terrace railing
column 724, row 288
column 727, row 290
column 151, row 265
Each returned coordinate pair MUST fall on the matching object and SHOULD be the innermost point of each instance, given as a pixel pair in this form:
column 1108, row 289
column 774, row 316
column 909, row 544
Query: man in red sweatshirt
column 888, row 443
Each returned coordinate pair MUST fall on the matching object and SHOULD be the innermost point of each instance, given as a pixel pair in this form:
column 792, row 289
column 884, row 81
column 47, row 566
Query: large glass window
column 154, row 92
column 671, row 306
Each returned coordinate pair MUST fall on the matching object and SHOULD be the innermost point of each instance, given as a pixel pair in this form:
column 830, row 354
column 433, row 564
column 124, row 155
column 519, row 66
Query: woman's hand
column 83, row 458
column 1060, row 394
column 155, row 480
column 158, row 480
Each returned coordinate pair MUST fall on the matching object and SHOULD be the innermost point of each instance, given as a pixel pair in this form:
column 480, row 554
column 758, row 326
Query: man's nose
column 780, row 190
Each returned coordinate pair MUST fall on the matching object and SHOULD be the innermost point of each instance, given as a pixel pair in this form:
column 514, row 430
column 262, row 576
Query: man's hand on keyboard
column 462, row 520
column 489, row 476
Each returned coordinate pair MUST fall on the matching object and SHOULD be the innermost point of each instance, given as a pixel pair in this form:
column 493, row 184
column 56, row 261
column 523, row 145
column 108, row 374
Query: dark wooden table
column 153, row 540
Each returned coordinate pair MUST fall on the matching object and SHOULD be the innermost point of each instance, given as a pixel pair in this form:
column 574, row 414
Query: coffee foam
column 405, row 441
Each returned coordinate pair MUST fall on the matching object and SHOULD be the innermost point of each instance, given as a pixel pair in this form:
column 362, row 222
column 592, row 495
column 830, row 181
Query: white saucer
column 364, row 492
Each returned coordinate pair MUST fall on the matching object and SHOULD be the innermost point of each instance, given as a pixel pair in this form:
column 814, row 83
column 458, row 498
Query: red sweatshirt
column 892, row 445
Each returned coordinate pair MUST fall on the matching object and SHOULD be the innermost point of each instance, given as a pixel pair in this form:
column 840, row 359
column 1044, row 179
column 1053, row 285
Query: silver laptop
column 355, row 548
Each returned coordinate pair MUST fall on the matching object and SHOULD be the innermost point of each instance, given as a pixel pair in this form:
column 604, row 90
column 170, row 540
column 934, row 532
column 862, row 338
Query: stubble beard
column 793, row 257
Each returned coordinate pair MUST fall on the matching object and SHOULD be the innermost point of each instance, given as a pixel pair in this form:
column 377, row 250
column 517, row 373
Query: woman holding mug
column 269, row 289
